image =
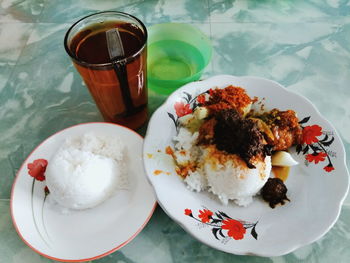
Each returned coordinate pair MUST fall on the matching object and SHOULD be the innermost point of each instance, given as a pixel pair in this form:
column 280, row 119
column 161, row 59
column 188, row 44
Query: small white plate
column 88, row 234
column 316, row 191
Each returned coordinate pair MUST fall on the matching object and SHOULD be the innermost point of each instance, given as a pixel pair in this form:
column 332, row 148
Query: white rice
column 196, row 181
column 233, row 181
column 230, row 181
column 86, row 170
column 186, row 146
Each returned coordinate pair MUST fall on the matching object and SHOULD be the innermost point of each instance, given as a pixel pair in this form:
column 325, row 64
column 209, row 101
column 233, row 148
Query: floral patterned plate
column 87, row 234
column 316, row 187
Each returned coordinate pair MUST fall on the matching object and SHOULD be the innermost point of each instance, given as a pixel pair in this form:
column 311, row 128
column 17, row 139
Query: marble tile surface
column 158, row 11
column 305, row 45
column 275, row 11
column 21, row 10
column 11, row 47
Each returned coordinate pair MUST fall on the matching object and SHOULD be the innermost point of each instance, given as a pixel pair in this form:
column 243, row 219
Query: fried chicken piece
column 285, row 128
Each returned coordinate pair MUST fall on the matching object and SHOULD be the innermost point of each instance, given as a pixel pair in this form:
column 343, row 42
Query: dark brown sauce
column 281, row 172
column 236, row 135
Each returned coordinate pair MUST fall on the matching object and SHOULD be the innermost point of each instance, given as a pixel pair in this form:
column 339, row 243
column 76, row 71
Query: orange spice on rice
column 183, row 171
column 216, row 157
column 230, row 97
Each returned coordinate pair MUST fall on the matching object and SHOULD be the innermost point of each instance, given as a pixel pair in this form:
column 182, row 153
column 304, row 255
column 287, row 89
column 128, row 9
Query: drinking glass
column 119, row 85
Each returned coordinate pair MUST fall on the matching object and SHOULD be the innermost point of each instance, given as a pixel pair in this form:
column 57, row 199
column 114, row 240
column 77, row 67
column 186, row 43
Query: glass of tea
column 118, row 85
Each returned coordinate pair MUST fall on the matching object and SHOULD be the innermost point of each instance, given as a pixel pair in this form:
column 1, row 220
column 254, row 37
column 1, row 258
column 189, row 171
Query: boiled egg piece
column 282, row 158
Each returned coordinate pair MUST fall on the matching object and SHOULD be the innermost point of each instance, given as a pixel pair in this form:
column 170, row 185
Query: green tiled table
column 305, row 45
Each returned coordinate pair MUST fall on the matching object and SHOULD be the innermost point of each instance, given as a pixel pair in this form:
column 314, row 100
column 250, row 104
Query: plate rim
column 119, row 246
column 249, row 252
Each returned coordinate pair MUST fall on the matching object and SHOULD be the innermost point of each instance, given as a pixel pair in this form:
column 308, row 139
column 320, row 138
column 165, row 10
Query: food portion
column 282, row 159
column 224, row 147
column 284, row 126
column 229, row 98
column 274, row 192
column 86, row 170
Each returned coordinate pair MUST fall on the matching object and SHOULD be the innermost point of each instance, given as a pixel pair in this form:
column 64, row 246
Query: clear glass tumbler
column 118, row 86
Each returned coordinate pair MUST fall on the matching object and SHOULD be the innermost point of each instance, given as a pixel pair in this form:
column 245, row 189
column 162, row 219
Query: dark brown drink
column 118, row 87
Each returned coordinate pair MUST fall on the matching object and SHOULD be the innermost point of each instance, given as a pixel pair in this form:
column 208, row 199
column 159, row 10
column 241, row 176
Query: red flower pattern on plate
column 201, row 99
column 220, row 222
column 316, row 157
column 235, row 228
column 310, row 134
column 318, row 145
column 188, row 212
column 328, row 168
column 46, row 190
column 205, row 215
column 37, row 169
column 182, row 109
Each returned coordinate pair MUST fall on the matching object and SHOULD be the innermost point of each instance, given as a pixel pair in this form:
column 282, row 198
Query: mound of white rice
column 86, row 171
column 231, row 180
column 235, row 181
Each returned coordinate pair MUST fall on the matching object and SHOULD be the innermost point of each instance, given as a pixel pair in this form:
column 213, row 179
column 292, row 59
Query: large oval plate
column 316, row 191
column 82, row 235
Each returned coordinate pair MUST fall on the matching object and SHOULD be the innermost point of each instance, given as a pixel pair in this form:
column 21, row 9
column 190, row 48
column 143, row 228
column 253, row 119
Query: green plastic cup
column 177, row 54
